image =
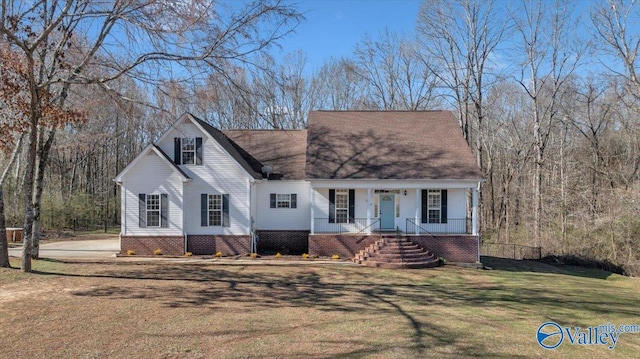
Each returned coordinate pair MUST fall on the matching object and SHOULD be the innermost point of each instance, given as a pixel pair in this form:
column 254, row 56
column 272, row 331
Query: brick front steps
column 395, row 253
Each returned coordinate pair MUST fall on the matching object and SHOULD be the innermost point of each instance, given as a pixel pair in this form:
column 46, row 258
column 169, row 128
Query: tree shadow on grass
column 524, row 265
column 354, row 290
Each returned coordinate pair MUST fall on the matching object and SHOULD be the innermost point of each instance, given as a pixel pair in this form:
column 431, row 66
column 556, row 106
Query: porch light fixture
column 405, row 192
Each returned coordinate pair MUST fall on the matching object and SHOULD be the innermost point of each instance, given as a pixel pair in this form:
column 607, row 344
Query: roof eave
column 398, row 179
column 242, row 163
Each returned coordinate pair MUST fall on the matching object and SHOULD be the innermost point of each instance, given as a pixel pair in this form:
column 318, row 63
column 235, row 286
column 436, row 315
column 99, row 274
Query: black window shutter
column 164, row 210
column 443, row 206
column 198, row 150
column 177, row 150
column 204, row 210
column 225, row 210
column 294, row 200
column 332, row 206
column 272, row 200
column 352, row 205
column 142, row 210
column 425, row 212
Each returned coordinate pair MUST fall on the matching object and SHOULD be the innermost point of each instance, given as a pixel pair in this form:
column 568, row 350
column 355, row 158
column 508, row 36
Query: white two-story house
column 329, row 189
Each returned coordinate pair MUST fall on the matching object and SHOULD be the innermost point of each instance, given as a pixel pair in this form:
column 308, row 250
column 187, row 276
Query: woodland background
column 546, row 94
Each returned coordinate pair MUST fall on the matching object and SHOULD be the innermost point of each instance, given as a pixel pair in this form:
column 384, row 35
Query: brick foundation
column 285, row 242
column 344, row 245
column 463, row 249
column 210, row 244
column 146, row 245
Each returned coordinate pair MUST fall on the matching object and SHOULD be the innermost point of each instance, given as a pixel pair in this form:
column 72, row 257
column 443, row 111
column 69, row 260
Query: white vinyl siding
column 221, row 177
column 218, row 174
column 283, row 218
column 152, row 175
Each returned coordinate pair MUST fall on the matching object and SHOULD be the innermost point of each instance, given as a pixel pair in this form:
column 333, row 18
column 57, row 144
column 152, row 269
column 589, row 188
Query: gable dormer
column 197, row 145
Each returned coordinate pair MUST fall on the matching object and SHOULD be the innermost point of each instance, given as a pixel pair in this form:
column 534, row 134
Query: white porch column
column 474, row 211
column 369, row 204
column 416, row 217
column 313, row 209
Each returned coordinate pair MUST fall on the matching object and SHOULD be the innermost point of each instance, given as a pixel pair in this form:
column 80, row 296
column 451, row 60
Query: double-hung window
column 434, row 205
column 342, row 206
column 214, row 210
column 188, row 150
column 153, row 210
column 283, row 200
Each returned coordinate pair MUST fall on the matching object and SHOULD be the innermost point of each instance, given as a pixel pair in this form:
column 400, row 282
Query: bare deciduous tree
column 459, row 39
column 551, row 56
column 396, row 77
column 337, row 86
column 79, row 42
column 612, row 22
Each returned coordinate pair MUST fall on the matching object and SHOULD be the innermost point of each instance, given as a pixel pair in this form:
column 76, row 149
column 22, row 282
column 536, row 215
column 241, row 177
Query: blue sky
column 333, row 27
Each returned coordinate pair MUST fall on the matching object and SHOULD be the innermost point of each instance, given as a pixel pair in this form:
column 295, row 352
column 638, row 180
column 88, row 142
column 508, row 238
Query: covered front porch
column 413, row 208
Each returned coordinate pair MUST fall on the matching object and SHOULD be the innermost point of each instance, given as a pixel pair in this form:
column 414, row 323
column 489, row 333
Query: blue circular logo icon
column 550, row 335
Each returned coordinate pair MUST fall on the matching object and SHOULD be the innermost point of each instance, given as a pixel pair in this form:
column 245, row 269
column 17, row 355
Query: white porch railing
column 355, row 225
column 453, row 226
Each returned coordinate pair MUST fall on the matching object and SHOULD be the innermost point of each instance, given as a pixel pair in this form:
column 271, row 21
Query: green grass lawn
column 234, row 310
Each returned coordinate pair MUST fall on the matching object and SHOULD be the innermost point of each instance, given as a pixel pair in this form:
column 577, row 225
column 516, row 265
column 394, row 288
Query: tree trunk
column 43, row 155
column 116, row 169
column 537, row 180
column 27, row 239
column 537, row 198
column 4, row 246
column 507, row 208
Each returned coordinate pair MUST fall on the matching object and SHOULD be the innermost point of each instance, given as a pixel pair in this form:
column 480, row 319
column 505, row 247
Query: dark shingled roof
column 242, row 157
column 283, row 150
column 387, row 145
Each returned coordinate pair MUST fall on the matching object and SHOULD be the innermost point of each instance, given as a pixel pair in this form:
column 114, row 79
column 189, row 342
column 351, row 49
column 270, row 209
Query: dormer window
column 188, row 150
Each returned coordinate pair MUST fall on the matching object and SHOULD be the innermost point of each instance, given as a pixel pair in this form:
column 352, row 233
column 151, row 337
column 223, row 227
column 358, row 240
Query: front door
column 387, row 211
